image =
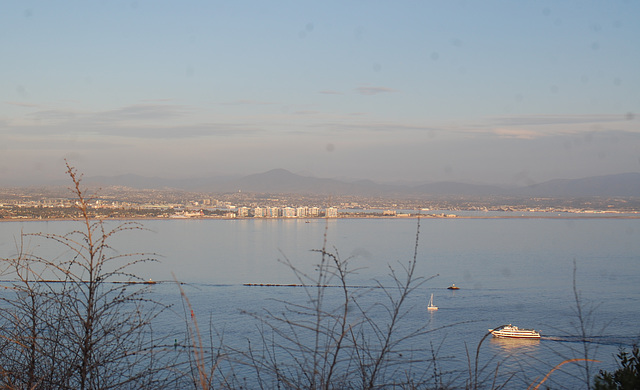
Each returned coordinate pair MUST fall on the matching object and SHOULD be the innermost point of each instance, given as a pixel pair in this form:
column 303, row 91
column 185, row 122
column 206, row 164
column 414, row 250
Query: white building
column 302, row 212
column 273, row 212
column 243, row 212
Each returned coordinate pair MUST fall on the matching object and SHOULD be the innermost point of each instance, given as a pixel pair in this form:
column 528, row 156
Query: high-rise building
column 273, row 212
column 302, row 212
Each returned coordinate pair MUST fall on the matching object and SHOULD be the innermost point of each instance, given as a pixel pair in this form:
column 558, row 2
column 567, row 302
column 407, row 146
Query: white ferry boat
column 515, row 332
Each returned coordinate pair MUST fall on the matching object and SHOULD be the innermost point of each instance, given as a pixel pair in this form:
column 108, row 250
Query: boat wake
column 602, row 340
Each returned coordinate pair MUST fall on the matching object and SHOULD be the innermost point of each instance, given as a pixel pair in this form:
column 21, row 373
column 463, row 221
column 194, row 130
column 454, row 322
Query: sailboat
column 431, row 306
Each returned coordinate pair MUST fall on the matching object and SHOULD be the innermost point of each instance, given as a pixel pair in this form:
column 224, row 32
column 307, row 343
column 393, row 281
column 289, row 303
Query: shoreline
column 448, row 217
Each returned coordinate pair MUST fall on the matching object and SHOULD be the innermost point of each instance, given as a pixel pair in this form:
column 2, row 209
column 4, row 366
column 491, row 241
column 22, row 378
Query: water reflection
column 511, row 345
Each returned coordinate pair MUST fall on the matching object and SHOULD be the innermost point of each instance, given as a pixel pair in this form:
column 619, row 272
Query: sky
column 494, row 92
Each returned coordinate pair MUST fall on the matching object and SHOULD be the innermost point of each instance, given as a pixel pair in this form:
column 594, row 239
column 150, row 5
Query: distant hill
column 144, row 182
column 128, row 180
column 454, row 188
column 283, row 181
column 624, row 185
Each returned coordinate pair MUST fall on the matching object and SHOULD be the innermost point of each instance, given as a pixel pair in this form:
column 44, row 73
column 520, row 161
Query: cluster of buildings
column 122, row 203
column 284, row 212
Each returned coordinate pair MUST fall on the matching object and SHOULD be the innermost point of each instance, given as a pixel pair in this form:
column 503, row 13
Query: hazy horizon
column 491, row 92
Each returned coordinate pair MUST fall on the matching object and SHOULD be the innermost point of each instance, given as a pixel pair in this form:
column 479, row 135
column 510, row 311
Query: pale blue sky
column 475, row 91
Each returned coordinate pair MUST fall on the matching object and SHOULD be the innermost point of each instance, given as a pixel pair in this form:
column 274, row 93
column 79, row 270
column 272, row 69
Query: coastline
column 424, row 216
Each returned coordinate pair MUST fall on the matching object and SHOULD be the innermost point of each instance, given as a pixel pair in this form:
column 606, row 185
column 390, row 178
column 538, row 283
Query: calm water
column 510, row 271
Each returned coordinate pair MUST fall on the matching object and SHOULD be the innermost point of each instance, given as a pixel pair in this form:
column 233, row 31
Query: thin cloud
column 135, row 121
column 374, row 90
column 20, row 104
column 139, row 112
column 373, row 127
column 306, row 112
column 142, row 132
column 538, row 126
column 52, row 116
column 190, row 131
column 527, row 120
column 516, row 133
column 142, row 112
column 121, row 116
column 157, row 100
column 244, row 102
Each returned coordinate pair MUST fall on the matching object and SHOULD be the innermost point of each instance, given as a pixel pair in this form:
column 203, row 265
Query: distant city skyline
column 491, row 92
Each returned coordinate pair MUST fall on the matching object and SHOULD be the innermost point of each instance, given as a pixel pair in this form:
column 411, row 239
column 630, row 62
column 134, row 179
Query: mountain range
column 283, row 181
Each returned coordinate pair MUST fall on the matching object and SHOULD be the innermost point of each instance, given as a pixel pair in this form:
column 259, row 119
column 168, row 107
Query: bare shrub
column 81, row 320
column 332, row 339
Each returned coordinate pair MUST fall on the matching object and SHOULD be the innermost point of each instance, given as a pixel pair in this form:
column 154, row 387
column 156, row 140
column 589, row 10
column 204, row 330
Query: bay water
column 516, row 271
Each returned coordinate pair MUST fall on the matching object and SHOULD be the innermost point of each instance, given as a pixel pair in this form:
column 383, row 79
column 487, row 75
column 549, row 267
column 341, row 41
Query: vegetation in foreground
column 66, row 325
column 626, row 377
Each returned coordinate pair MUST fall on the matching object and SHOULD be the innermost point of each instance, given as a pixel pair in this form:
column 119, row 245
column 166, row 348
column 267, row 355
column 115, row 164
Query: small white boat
column 431, row 306
column 514, row 332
